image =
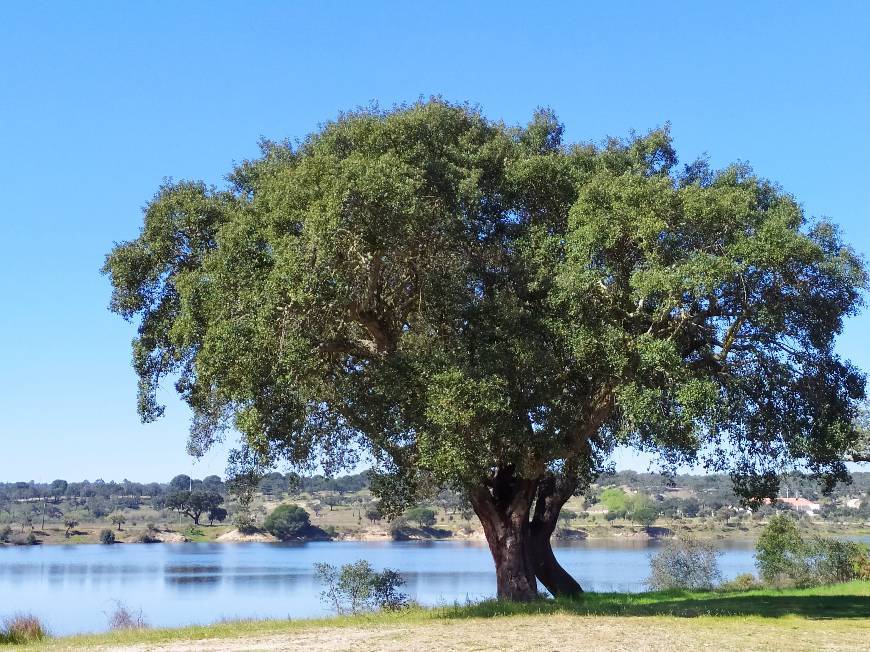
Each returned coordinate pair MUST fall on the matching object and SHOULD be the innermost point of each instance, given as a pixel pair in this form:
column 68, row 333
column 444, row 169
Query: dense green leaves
column 450, row 296
column 287, row 521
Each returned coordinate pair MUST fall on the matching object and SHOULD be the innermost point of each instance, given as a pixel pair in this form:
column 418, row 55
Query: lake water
column 71, row 588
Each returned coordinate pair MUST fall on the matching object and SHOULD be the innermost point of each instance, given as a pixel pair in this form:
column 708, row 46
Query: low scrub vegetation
column 786, row 558
column 358, row 587
column 122, row 618
column 685, row 563
column 22, row 629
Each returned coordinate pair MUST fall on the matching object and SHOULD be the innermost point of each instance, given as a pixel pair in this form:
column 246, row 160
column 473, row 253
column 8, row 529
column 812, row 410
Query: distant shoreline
column 224, row 535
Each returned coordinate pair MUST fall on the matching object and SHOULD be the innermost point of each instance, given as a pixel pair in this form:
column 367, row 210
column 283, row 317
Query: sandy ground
column 236, row 536
column 561, row 632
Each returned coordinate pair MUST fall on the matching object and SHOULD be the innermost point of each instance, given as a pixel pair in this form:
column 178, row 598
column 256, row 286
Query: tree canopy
column 287, row 521
column 193, row 503
column 493, row 309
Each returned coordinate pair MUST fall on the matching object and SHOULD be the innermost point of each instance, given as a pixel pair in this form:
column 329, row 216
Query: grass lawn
column 834, row 618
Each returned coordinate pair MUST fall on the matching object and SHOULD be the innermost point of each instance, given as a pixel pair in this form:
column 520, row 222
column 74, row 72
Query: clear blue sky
column 100, row 101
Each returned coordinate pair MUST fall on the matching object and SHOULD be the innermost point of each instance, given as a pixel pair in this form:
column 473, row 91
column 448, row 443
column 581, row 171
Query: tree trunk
column 519, row 540
column 548, row 569
column 552, row 495
column 503, row 506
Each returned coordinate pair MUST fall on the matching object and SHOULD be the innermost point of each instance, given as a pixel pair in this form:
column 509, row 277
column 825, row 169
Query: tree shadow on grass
column 770, row 604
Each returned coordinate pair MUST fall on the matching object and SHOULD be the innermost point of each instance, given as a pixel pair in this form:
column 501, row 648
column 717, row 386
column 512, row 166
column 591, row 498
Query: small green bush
column 834, row 561
column 5, row 533
column 107, row 537
column 743, row 582
column 287, row 522
column 785, row 558
column 357, row 587
column 245, row 522
column 147, row 537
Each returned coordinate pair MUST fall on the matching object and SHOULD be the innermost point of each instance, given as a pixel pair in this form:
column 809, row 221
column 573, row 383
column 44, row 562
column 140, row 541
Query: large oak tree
column 492, row 309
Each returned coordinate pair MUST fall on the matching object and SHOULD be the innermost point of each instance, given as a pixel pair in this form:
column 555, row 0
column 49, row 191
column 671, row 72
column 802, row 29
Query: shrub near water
column 122, row 618
column 685, row 563
column 287, row 521
column 785, row 558
column 357, row 587
column 22, row 629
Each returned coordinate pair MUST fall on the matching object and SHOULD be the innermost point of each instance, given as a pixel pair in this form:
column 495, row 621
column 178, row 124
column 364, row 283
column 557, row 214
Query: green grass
column 851, row 600
column 843, row 602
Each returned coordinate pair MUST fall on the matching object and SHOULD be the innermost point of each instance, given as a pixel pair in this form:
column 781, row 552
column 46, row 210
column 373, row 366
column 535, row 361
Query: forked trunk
column 503, row 508
column 551, row 497
column 519, row 540
column 548, row 569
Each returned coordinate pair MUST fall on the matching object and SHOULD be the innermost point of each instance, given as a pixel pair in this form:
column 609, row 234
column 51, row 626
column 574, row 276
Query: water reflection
column 72, row 587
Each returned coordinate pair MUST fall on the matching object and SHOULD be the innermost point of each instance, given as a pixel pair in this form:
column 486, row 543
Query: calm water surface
column 72, row 587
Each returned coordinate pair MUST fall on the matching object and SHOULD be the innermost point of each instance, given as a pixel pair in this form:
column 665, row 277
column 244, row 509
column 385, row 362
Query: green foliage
column 22, row 629
column 616, row 501
column 781, row 552
column 636, row 507
column 422, row 516
column 147, row 537
column 784, row 556
column 397, row 529
column 373, row 513
column 287, row 521
column 69, row 524
column 193, row 503
column 5, row 533
column 684, row 563
column 642, row 510
column 835, row 561
column 218, row 514
column 181, row 482
column 245, row 522
column 455, row 296
column 118, row 518
column 357, row 587
column 743, row 582
column 107, row 536
column 331, row 531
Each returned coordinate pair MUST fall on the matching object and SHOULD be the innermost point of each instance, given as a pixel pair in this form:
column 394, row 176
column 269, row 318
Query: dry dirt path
column 559, row 632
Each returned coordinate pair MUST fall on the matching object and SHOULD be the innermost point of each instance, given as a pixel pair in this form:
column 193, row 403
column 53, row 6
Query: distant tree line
column 638, row 497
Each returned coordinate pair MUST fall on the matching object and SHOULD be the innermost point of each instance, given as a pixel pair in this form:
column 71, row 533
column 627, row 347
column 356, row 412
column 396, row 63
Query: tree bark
column 552, row 495
column 503, row 506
